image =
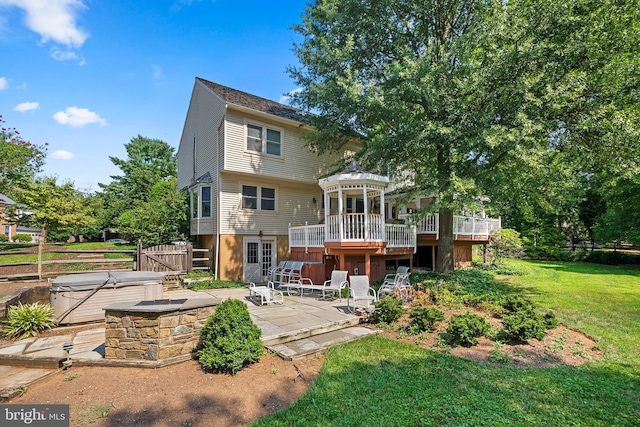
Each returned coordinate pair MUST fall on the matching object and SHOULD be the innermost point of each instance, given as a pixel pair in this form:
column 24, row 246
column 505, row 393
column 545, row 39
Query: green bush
column 465, row 329
column 422, row 319
column 4, row 238
column 388, row 310
column 524, row 325
column 550, row 320
column 26, row 320
column 229, row 340
column 515, row 303
column 22, row 238
column 612, row 258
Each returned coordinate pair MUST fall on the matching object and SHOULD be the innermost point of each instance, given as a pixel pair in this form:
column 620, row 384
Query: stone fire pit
column 155, row 330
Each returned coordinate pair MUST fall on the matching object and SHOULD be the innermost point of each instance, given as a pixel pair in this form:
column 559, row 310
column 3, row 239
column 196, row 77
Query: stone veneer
column 155, row 330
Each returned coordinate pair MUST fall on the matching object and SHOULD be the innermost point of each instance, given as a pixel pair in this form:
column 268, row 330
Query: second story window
column 262, row 139
column 258, row 198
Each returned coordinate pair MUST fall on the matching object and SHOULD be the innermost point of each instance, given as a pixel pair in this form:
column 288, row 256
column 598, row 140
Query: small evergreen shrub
column 26, row 320
column 388, row 310
column 229, row 340
column 524, row 325
column 515, row 303
column 550, row 321
column 22, row 238
column 465, row 329
column 4, row 238
column 422, row 319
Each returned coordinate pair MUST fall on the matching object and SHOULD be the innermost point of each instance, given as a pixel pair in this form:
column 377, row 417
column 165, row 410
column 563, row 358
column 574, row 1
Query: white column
column 366, row 213
column 383, row 211
column 327, row 212
column 340, row 213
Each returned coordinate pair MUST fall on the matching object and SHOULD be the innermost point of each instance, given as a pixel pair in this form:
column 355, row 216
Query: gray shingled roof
column 247, row 100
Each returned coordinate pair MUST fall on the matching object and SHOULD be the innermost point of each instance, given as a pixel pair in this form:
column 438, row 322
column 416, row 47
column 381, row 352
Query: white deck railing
column 357, row 227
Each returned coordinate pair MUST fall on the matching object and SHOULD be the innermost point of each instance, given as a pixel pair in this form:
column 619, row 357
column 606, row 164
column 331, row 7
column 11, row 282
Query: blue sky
column 86, row 76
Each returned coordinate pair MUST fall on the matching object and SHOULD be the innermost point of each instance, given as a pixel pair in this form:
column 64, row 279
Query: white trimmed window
column 261, row 139
column 258, row 198
column 201, row 202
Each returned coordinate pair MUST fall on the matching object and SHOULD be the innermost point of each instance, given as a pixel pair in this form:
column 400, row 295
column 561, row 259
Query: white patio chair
column 292, row 272
column 359, row 290
column 275, row 271
column 281, row 275
column 400, row 286
column 391, row 278
column 267, row 294
column 337, row 283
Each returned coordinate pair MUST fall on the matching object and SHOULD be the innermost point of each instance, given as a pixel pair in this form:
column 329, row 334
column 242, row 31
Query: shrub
column 515, row 303
column 213, row 284
column 388, row 310
column 26, row 320
column 22, row 238
column 612, row 258
column 229, row 340
column 422, row 319
column 4, row 238
column 524, row 325
column 465, row 329
column 550, row 320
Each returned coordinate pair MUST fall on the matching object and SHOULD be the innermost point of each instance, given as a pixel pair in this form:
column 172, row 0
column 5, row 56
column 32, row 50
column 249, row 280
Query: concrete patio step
column 301, row 333
column 307, row 346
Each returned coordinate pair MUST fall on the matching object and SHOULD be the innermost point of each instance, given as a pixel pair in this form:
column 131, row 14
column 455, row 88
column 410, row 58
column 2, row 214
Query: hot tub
column 81, row 297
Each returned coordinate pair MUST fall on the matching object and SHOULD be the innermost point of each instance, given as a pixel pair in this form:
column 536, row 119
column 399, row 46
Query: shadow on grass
column 377, row 381
column 588, row 267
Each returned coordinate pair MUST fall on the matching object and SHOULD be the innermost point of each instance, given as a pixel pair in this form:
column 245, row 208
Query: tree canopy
column 470, row 98
column 20, row 160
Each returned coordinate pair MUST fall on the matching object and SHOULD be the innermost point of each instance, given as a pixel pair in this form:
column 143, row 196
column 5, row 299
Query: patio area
column 301, row 326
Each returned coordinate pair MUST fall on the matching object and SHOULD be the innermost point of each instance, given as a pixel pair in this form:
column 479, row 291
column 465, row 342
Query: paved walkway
column 316, row 324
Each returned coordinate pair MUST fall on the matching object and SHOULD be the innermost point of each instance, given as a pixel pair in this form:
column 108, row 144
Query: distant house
column 9, row 229
column 259, row 195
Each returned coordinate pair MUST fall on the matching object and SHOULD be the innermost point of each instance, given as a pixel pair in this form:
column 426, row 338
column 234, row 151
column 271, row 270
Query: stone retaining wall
column 153, row 336
column 26, row 295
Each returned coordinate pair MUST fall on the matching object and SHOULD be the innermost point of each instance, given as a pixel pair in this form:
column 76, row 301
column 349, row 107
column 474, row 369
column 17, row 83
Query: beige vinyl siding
column 297, row 162
column 294, row 205
column 203, row 120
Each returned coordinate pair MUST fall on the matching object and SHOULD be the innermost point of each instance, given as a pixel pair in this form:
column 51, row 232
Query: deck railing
column 357, row 227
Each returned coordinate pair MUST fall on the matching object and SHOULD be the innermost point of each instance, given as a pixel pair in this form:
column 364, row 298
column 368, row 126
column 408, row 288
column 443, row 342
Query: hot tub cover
column 114, row 279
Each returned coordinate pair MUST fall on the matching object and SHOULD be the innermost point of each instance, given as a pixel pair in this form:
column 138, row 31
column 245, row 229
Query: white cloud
column 78, row 117
column 53, row 19
column 3, row 83
column 62, row 55
column 62, row 155
column 27, row 106
column 284, row 99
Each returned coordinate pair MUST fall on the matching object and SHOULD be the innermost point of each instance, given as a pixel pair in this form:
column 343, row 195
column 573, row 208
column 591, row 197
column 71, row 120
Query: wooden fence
column 177, row 259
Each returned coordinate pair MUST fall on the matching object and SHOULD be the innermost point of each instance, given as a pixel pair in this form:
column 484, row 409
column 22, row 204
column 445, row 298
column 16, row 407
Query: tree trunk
column 445, row 261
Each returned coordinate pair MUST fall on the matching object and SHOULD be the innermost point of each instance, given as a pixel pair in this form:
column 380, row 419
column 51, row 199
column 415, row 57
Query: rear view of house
column 259, row 195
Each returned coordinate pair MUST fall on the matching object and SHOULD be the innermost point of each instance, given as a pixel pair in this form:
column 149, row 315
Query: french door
column 259, row 257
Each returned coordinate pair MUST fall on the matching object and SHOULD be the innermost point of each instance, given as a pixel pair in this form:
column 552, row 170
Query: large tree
column 148, row 162
column 20, row 160
column 59, row 209
column 461, row 96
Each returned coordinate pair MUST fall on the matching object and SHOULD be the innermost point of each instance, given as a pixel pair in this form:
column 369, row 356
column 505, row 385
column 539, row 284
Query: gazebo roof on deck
column 354, row 175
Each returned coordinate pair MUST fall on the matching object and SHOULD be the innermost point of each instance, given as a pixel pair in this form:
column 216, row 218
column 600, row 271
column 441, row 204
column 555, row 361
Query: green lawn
column 601, row 301
column 382, row 382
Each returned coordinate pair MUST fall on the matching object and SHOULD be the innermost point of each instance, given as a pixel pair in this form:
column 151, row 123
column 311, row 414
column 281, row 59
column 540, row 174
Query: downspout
column 219, row 208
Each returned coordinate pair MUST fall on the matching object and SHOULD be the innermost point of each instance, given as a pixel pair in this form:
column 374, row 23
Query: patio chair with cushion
column 359, row 290
column 337, row 283
column 265, row 294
